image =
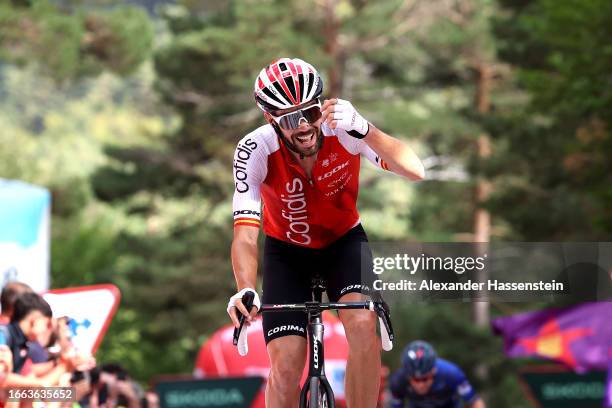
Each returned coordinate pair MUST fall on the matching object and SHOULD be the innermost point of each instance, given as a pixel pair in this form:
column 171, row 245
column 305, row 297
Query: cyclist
column 427, row 381
column 304, row 165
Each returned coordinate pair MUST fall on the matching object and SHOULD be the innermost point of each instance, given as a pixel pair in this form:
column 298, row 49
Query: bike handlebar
column 240, row 336
column 380, row 307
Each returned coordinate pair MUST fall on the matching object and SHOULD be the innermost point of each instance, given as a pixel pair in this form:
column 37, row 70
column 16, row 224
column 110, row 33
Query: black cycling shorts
column 287, row 271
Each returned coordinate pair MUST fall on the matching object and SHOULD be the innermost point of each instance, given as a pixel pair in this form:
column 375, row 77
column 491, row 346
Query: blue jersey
column 449, row 388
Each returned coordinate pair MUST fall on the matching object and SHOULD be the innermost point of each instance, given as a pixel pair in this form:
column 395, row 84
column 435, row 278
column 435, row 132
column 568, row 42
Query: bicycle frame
column 315, row 330
column 316, row 362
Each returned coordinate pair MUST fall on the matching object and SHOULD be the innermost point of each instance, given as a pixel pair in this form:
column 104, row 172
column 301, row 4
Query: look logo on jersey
column 308, row 211
column 314, row 211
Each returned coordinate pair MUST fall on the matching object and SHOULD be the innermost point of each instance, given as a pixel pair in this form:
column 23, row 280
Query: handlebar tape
column 240, row 335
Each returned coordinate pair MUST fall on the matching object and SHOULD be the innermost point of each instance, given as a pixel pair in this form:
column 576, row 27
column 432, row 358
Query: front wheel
column 318, row 395
column 314, row 397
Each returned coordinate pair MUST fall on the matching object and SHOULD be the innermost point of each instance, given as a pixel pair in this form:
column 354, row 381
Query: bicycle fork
column 316, row 382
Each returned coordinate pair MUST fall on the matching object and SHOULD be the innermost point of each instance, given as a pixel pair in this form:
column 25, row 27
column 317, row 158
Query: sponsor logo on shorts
column 362, row 288
column 289, row 327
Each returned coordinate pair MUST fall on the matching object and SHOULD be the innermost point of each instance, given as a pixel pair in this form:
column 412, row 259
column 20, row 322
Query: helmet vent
column 310, row 83
column 301, row 85
column 270, row 95
column 279, row 89
column 289, row 83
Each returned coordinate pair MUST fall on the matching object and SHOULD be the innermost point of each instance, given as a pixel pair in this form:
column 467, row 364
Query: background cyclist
column 427, row 381
column 304, row 166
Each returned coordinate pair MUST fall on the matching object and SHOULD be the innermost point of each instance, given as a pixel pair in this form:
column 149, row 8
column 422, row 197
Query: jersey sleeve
column 462, row 386
column 359, row 146
column 373, row 157
column 397, row 386
column 250, row 170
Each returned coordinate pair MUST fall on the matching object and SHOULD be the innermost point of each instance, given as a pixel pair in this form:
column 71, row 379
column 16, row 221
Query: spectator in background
column 28, row 329
column 150, row 400
column 6, row 360
column 31, row 322
column 10, row 293
column 110, row 386
column 39, row 361
column 427, row 381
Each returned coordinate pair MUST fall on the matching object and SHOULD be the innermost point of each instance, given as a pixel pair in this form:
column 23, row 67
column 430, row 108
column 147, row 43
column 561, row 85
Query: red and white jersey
column 311, row 212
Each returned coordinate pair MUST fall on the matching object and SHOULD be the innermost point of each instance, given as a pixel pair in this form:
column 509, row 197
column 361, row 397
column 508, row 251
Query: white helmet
column 286, row 83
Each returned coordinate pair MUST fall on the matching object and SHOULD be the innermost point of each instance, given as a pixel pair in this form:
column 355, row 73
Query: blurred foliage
column 131, row 119
column 558, row 146
column 72, row 45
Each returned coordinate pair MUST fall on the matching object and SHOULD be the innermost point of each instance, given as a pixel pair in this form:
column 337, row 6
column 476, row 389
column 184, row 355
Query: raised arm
column 396, row 155
column 400, row 158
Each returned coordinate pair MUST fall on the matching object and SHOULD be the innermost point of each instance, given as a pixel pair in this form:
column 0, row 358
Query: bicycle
column 316, row 391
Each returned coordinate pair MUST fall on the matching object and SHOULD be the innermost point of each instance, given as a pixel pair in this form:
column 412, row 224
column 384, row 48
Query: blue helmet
column 418, row 358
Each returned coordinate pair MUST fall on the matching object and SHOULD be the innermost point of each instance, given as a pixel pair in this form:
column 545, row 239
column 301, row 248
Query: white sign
column 90, row 309
column 24, row 234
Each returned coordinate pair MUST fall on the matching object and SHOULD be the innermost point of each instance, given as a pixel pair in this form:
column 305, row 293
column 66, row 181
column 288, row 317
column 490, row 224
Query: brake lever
column 383, row 311
column 247, row 301
column 387, row 311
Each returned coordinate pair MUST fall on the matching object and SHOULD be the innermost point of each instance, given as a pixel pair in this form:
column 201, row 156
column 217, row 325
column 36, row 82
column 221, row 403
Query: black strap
column 358, row 135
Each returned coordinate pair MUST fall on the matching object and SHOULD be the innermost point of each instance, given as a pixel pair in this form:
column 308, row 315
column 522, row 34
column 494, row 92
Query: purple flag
column 608, row 403
column 579, row 336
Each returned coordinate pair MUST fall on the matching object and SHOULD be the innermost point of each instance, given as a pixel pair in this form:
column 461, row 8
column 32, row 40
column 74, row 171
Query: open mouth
column 306, row 140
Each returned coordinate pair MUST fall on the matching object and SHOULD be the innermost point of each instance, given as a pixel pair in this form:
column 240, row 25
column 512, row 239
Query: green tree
column 558, row 185
column 415, row 80
column 61, row 102
column 68, row 44
column 138, row 156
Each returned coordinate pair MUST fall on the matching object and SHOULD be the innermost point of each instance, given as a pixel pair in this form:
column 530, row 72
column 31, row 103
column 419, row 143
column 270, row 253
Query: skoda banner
column 556, row 387
column 238, row 392
column 24, row 234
